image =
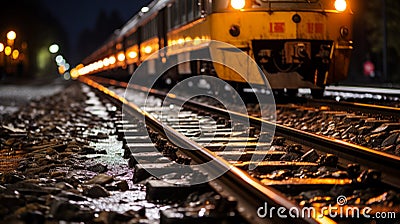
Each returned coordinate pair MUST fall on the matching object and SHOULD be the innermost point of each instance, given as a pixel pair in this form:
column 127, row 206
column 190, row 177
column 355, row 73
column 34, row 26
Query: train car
column 297, row 43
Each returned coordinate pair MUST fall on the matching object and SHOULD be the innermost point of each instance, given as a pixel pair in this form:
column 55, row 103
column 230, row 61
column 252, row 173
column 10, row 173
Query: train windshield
column 278, row 5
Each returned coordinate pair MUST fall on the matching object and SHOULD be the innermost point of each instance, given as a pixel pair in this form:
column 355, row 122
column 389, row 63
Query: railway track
column 385, row 110
column 371, row 126
column 386, row 97
column 248, row 192
column 352, row 111
column 297, row 167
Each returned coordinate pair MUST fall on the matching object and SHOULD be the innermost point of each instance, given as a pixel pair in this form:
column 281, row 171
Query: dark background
column 89, row 22
column 81, row 26
column 368, row 36
column 78, row 26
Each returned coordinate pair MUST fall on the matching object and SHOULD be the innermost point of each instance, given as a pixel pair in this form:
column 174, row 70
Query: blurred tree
column 91, row 39
column 374, row 28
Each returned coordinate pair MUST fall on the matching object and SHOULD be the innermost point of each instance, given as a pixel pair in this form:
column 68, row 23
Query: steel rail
column 362, row 90
column 387, row 163
column 362, row 107
column 250, row 193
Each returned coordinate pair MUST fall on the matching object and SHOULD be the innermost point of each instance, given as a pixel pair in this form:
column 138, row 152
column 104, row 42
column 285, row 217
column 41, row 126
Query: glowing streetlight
column 1, row 47
column 11, row 35
column 8, row 50
column 54, row 48
column 15, row 54
column 59, row 59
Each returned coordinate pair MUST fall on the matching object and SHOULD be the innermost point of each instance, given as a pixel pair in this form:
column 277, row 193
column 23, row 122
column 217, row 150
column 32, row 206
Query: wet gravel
column 12, row 97
column 60, row 161
column 372, row 131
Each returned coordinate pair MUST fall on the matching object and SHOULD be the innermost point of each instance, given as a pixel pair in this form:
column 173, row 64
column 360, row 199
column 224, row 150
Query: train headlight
column 238, row 4
column 340, row 5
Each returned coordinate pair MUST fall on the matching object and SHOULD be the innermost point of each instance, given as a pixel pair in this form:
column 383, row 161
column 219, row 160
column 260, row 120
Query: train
column 296, row 43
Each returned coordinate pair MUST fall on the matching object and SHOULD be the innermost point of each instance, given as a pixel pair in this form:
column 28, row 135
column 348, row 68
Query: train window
column 168, row 21
column 129, row 40
column 170, row 17
column 189, row 7
column 152, row 27
column 183, row 11
column 218, row 6
column 132, row 39
column 197, row 9
column 146, row 31
column 149, row 30
column 143, row 32
column 175, row 15
column 182, row 7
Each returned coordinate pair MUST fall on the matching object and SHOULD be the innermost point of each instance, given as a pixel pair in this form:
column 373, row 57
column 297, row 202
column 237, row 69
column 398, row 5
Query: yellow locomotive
column 297, row 43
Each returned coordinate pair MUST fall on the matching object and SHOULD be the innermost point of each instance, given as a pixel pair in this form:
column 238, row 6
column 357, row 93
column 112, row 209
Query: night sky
column 77, row 15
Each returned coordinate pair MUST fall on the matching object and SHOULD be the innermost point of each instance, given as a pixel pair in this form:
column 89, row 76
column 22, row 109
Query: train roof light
column 74, row 73
column 181, row 41
column 100, row 64
column 340, row 5
column 148, row 49
column 238, row 4
column 145, row 9
column 132, row 54
column 112, row 60
column 121, row 57
column 81, row 71
column 106, row 62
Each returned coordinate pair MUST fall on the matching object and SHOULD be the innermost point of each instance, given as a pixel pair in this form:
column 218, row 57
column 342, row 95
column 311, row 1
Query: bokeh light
column 54, row 48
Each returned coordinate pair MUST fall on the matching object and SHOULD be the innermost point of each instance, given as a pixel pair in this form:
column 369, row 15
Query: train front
column 297, row 43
